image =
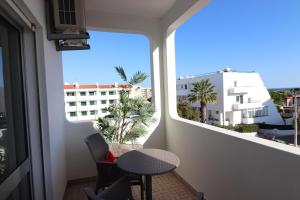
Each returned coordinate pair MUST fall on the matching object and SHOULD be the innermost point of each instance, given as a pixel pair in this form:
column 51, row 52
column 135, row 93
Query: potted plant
column 129, row 117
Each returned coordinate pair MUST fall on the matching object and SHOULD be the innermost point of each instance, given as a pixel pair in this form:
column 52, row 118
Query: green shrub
column 246, row 128
column 242, row 128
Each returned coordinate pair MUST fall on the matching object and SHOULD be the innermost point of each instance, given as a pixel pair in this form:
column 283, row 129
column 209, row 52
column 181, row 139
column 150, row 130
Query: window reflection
column 3, row 127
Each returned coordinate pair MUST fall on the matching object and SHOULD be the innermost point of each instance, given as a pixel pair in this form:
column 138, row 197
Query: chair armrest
column 118, row 190
column 90, row 193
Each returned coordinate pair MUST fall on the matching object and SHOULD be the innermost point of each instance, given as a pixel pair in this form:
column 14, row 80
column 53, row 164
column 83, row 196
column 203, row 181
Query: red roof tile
column 88, row 86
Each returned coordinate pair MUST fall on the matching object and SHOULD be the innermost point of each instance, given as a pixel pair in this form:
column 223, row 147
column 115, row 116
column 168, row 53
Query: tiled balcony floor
column 165, row 187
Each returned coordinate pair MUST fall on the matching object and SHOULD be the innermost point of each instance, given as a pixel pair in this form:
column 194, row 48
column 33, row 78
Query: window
column 103, row 93
column 185, row 86
column 83, row 113
column 82, row 93
column 111, row 93
column 103, row 101
column 111, row 101
column 93, row 112
column 104, row 110
column 256, row 112
column 92, row 93
column 239, row 99
column 92, row 103
column 83, row 103
column 70, row 94
column 72, row 103
column 72, row 114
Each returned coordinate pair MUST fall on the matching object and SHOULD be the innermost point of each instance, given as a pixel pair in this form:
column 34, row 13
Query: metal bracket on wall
column 60, row 38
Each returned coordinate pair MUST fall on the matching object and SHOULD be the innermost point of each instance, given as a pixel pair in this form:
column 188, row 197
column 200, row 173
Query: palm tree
column 203, row 91
column 129, row 117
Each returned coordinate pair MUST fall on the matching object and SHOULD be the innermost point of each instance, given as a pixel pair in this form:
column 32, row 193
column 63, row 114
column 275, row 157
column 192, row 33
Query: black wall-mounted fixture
column 65, row 20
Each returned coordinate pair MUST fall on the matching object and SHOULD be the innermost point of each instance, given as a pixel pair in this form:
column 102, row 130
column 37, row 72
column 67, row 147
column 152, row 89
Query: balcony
column 221, row 163
column 238, row 106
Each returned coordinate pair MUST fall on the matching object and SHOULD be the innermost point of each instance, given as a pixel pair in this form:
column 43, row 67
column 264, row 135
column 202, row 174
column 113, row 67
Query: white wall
column 227, row 167
column 78, row 158
column 52, row 100
column 224, row 164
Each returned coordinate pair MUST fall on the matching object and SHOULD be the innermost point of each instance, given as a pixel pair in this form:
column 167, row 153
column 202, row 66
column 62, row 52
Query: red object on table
column 110, row 157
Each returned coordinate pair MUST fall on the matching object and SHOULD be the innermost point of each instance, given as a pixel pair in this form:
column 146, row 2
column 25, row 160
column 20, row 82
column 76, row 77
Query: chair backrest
column 119, row 190
column 97, row 146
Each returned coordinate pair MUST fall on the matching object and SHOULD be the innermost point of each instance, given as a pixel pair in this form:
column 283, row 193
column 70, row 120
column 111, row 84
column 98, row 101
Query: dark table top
column 148, row 162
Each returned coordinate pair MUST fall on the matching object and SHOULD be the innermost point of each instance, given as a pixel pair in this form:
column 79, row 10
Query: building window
column 235, row 83
column 82, row 93
column 104, row 110
column 103, row 101
column 103, row 93
column 92, row 93
column 70, row 94
column 72, row 114
column 83, row 113
column 93, row 112
column 111, row 101
column 92, row 103
column 239, row 99
column 72, row 103
column 256, row 112
column 83, row 103
column 111, row 93
column 185, row 86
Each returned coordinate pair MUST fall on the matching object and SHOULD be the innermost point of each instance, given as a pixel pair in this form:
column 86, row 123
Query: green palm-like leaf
column 138, row 78
column 121, row 73
column 129, row 117
column 204, row 92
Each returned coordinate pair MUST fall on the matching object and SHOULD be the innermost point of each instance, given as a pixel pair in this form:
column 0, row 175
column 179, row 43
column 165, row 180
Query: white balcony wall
column 223, row 164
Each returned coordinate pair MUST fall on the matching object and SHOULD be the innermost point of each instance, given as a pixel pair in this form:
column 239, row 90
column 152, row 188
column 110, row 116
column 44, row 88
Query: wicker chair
column 119, row 190
column 107, row 172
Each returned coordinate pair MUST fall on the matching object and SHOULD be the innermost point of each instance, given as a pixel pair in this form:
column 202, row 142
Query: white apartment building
column 242, row 98
column 88, row 102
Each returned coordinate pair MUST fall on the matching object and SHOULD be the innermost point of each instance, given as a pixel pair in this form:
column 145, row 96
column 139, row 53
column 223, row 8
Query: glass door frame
column 35, row 163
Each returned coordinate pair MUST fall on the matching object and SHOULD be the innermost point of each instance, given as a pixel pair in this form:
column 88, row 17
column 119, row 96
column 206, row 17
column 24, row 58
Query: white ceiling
column 143, row 8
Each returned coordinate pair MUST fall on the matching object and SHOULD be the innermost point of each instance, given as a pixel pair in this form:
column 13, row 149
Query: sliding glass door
column 15, row 167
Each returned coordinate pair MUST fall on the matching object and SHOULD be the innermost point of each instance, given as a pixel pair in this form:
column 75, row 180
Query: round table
column 148, row 162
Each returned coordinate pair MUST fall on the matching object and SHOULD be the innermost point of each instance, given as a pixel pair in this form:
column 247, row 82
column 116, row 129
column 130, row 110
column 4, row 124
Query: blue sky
column 108, row 50
column 246, row 35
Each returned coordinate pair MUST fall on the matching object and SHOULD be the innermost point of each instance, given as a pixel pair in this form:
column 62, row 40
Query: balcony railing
column 238, row 106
